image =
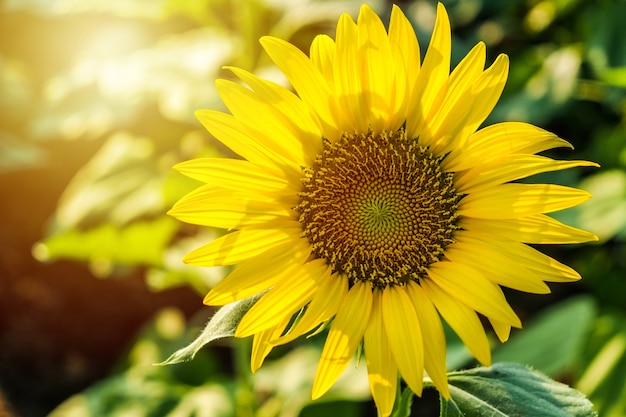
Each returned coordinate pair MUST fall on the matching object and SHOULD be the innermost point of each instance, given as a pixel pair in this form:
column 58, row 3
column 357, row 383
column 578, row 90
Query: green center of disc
column 378, row 215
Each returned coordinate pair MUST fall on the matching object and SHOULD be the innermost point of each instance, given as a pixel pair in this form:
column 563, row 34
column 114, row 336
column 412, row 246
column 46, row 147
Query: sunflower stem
column 244, row 396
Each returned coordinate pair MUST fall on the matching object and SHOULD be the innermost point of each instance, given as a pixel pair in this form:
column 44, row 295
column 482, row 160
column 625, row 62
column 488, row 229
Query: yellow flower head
column 370, row 198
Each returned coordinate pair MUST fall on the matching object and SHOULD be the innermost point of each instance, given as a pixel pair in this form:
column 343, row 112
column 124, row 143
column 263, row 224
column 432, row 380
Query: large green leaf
column 507, row 390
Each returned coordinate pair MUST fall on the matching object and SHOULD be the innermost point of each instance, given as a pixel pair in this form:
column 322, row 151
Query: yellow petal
column 474, row 290
column 305, row 78
column 498, row 140
column 404, row 333
column 453, row 112
column 434, row 338
column 431, row 85
column 347, row 77
column 381, row 85
column 510, row 168
column 226, row 209
column 344, row 337
column 260, row 115
column 483, row 96
column 303, row 132
column 406, row 55
column 231, row 173
column 540, row 229
column 516, row 200
column 468, row 70
column 284, row 299
column 502, row 330
column 236, row 137
column 538, row 265
column 261, row 343
column 462, row 319
column 382, row 371
column 324, row 305
column 322, row 55
column 486, row 91
column 259, row 274
column 239, row 246
column 497, row 264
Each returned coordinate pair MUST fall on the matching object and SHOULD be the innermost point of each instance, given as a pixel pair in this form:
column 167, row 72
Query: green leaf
column 546, row 91
column 615, row 76
column 552, row 330
column 141, row 242
column 449, row 408
column 222, row 324
column 605, row 213
column 508, row 389
column 122, row 182
column 402, row 407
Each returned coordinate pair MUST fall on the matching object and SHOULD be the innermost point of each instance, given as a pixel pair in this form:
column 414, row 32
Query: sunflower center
column 378, row 207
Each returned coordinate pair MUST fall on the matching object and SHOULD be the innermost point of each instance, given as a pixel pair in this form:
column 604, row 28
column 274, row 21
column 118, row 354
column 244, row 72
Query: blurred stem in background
column 245, row 396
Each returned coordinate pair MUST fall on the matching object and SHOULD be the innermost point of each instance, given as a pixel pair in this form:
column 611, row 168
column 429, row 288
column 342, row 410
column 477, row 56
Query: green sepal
column 404, row 400
column 223, row 324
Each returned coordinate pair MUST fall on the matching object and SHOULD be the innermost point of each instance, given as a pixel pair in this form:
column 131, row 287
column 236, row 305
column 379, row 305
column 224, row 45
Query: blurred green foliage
column 128, row 75
column 205, row 387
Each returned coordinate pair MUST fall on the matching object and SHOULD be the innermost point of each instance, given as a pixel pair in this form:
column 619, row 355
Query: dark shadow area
column 61, row 329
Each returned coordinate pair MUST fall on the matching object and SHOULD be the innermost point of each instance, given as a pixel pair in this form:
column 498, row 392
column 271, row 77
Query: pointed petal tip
column 445, row 395
column 441, row 8
column 442, row 20
column 505, row 62
column 265, row 39
column 217, row 299
column 316, row 393
column 187, row 259
column 397, row 13
column 442, row 388
column 202, row 114
column 193, row 259
column 242, row 332
column 177, row 166
column 366, row 8
column 267, row 42
column 208, row 298
column 175, row 212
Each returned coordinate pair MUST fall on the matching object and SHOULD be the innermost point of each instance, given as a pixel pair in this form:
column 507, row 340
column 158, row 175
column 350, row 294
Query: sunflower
column 369, row 202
